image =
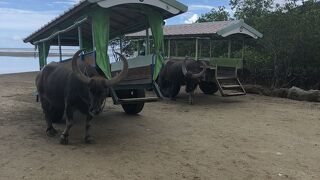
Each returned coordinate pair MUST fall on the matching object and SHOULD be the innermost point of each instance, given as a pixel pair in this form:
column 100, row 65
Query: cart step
column 230, row 86
column 226, row 78
column 234, row 94
column 137, row 100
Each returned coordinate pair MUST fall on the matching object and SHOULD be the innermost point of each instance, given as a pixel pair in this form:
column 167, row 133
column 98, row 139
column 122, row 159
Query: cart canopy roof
column 207, row 29
column 125, row 17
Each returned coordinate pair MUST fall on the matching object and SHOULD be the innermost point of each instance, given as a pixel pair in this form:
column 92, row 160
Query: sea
column 12, row 64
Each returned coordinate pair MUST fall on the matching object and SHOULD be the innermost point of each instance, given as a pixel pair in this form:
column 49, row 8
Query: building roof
column 220, row 28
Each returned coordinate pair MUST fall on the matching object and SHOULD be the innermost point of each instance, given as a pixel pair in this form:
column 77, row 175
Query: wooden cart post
column 196, row 55
column 59, row 44
column 80, row 37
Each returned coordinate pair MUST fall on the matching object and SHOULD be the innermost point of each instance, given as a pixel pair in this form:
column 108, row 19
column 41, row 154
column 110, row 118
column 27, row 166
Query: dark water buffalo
column 176, row 73
column 62, row 90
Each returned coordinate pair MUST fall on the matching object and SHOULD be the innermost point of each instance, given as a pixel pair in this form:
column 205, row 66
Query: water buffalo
column 63, row 89
column 180, row 72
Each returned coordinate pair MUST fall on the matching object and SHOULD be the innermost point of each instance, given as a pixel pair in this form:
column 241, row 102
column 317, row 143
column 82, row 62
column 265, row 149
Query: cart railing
column 227, row 62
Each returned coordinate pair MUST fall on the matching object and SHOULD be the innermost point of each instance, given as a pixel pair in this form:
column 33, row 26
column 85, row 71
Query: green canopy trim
column 156, row 24
column 43, row 49
column 101, row 22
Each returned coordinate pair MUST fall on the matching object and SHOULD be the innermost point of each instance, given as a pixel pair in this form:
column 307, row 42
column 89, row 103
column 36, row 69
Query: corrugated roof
column 206, row 28
column 70, row 16
column 191, row 29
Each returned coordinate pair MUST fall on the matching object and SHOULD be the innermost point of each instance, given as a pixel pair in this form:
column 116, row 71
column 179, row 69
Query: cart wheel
column 208, row 87
column 132, row 93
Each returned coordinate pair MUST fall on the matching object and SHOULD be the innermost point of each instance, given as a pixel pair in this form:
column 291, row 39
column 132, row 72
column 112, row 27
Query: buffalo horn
column 76, row 70
column 194, row 76
column 123, row 74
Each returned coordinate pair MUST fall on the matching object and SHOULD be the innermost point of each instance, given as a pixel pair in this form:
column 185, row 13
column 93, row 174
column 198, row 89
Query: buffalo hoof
column 51, row 132
column 64, row 139
column 89, row 140
column 191, row 102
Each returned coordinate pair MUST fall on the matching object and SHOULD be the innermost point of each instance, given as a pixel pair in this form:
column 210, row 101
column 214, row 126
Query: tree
column 251, row 9
column 215, row 15
column 291, row 40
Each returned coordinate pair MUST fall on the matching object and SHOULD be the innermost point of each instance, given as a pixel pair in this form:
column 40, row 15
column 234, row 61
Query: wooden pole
column 138, row 47
column 147, row 42
column 44, row 54
column 210, row 53
column 80, row 37
column 169, row 42
column 176, row 49
column 92, row 32
column 59, row 44
column 200, row 49
column 229, row 48
column 120, row 44
column 242, row 53
column 162, row 49
column 196, row 56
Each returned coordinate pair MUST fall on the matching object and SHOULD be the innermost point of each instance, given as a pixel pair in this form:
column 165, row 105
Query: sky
column 19, row 18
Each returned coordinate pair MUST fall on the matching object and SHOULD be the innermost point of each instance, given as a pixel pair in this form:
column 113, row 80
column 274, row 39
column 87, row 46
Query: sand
column 247, row 137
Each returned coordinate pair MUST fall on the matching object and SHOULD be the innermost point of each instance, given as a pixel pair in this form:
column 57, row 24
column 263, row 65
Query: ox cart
column 220, row 44
column 92, row 23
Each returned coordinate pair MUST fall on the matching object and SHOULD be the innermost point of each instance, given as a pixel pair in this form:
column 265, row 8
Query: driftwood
column 294, row 93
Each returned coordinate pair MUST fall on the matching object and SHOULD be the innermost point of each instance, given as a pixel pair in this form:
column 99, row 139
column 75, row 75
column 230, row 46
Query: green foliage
column 250, row 9
column 127, row 46
column 215, row 15
column 291, row 40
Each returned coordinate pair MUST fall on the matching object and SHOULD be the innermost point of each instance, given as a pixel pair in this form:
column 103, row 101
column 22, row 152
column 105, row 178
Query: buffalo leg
column 50, row 131
column 88, row 138
column 191, row 97
column 57, row 115
column 172, row 89
column 69, row 123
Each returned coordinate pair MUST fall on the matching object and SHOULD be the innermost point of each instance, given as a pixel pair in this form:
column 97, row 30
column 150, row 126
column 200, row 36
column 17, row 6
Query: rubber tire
column 208, row 87
column 135, row 108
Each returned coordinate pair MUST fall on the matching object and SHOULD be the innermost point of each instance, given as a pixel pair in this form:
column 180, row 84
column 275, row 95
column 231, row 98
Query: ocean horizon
column 17, row 63
column 11, row 64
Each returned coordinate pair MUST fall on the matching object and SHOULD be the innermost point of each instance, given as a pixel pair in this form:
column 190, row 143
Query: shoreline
column 30, row 54
column 18, row 73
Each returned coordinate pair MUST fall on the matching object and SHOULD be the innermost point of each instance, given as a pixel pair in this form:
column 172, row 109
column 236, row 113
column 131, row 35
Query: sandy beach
column 247, row 137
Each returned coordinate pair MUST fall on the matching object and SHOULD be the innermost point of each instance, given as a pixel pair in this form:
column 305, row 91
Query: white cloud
column 68, row 2
column 194, row 7
column 17, row 19
column 282, row 2
column 16, row 24
column 17, row 38
column 192, row 19
column 4, row 2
